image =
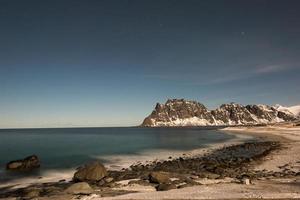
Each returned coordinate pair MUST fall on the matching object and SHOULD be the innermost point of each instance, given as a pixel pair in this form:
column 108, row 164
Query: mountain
column 180, row 112
column 295, row 110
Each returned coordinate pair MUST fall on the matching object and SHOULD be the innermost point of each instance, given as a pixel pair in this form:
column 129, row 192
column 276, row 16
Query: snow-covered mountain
column 180, row 112
column 295, row 110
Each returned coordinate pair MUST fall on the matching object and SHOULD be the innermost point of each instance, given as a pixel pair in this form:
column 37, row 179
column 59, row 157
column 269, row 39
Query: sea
column 63, row 149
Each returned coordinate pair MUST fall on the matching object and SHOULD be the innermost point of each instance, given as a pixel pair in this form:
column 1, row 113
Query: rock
column 178, row 181
column 246, row 181
column 277, row 174
column 28, row 163
column 31, row 192
column 209, row 175
column 102, row 182
column 185, row 185
column 194, row 177
column 52, row 190
column 140, row 182
column 159, row 177
column 79, row 188
column 191, row 181
column 164, row 187
column 213, row 176
column 109, row 179
column 90, row 172
column 180, row 112
column 164, row 114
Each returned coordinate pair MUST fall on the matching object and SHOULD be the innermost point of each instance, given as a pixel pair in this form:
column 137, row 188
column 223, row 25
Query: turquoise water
column 70, row 147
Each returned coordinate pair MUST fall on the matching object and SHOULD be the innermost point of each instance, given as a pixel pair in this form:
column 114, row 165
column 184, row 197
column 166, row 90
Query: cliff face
column 180, row 112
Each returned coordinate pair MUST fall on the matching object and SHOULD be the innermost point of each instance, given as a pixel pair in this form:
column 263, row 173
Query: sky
column 66, row 63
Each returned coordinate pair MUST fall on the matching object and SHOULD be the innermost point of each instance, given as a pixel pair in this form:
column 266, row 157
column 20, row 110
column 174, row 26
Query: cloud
column 230, row 74
column 271, row 69
column 261, row 70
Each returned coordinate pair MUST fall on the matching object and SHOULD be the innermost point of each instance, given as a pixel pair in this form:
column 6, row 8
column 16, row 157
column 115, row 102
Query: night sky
column 106, row 63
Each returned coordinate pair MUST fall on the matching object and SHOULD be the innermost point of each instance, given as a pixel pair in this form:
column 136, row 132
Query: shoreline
column 119, row 162
column 207, row 185
column 270, row 187
column 288, row 136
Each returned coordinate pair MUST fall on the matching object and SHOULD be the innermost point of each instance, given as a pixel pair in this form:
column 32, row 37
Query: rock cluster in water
column 28, row 163
column 180, row 112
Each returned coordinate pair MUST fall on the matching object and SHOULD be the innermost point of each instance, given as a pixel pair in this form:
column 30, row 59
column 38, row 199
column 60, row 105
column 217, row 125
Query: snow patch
column 295, row 110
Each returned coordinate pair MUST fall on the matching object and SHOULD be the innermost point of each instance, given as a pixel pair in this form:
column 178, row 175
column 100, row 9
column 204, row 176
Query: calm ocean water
column 62, row 148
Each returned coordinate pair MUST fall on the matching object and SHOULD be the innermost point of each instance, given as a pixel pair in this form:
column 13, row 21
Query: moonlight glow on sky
column 106, row 63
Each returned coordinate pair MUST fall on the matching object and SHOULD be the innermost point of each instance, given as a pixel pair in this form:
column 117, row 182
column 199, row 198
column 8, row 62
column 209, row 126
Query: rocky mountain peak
column 181, row 112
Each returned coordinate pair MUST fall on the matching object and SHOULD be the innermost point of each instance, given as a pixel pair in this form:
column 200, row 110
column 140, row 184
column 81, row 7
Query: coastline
column 270, row 188
column 119, row 162
column 287, row 135
column 215, row 188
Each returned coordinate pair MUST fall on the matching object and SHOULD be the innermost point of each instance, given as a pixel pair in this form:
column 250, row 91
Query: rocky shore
column 257, row 166
column 234, row 163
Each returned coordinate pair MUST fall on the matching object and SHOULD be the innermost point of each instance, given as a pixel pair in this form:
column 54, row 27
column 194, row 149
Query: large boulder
column 28, row 163
column 91, row 172
column 159, row 177
column 79, row 188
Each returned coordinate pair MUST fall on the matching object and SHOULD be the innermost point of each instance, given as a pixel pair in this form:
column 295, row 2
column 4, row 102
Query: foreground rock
column 91, row 172
column 28, row 163
column 79, row 188
column 159, row 177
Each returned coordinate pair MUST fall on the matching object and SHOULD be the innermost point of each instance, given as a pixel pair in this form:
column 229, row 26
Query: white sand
column 291, row 142
column 262, row 189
